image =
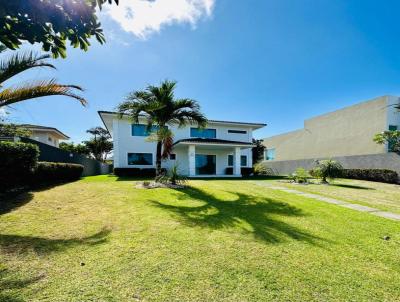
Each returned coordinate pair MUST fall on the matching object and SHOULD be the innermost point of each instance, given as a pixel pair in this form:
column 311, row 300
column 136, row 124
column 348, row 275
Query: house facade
column 345, row 132
column 196, row 152
column 47, row 135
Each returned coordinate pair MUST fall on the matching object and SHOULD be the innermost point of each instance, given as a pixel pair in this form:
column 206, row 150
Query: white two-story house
column 197, row 152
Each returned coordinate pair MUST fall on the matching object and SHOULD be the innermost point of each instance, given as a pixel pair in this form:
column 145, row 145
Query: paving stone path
column 341, row 203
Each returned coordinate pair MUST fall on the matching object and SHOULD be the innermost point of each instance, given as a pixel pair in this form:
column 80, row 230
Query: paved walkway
column 341, row 203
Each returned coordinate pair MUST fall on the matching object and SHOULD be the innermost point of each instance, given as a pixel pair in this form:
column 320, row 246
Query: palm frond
column 193, row 117
column 39, row 89
column 186, row 104
column 21, row 62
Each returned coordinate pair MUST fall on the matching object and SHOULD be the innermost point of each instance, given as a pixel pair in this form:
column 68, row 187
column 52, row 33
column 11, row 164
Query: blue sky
column 277, row 62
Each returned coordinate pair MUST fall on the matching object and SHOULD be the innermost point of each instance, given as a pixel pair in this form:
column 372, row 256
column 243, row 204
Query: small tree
column 329, row 169
column 100, row 145
column 258, row 150
column 391, row 138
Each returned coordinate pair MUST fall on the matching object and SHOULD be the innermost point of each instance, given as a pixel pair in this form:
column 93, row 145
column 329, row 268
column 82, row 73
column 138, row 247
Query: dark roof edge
column 212, row 141
column 212, row 121
column 99, row 113
column 28, row 126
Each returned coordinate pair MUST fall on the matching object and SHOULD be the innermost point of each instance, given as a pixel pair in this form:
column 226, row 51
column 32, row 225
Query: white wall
column 43, row 137
column 125, row 143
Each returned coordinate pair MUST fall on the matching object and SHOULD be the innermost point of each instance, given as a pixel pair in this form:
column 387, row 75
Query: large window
column 243, row 160
column 390, row 145
column 203, row 133
column 270, row 154
column 205, row 164
column 141, row 130
column 145, row 159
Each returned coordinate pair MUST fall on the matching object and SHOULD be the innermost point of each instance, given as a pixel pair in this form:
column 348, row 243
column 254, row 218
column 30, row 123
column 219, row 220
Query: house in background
column 206, row 152
column 346, row 135
column 47, row 135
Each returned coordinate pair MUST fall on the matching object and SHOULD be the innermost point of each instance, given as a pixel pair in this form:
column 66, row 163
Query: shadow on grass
column 352, row 187
column 11, row 281
column 260, row 216
column 17, row 244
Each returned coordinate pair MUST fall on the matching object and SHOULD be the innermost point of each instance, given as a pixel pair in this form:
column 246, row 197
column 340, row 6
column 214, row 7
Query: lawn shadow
column 17, row 244
column 262, row 217
column 10, row 202
column 352, row 187
column 11, row 281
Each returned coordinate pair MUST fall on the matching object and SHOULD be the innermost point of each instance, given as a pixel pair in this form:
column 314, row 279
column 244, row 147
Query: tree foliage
column 21, row 62
column 51, row 23
column 257, row 151
column 11, row 130
column 391, row 138
column 74, row 148
column 328, row 169
column 158, row 106
column 100, row 145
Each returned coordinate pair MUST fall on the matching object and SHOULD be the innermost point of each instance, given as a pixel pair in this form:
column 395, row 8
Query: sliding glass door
column 205, row 164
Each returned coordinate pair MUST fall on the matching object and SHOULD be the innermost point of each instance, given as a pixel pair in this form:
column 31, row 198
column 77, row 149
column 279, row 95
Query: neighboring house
column 346, row 135
column 345, row 132
column 47, row 135
column 206, row 152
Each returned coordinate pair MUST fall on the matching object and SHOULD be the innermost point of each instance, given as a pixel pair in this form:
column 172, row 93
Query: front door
column 205, row 164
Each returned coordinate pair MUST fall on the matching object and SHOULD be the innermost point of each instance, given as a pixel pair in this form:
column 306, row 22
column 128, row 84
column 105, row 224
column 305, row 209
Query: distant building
column 47, row 135
column 345, row 135
column 345, row 132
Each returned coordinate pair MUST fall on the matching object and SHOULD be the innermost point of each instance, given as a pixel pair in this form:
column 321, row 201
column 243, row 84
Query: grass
column 100, row 239
column 374, row 194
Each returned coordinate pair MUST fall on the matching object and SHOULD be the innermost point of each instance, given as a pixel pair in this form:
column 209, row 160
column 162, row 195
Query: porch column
column 192, row 160
column 236, row 162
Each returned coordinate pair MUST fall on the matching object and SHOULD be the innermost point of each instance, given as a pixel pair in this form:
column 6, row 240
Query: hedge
column 17, row 164
column 49, row 173
column 245, row 171
column 380, row 175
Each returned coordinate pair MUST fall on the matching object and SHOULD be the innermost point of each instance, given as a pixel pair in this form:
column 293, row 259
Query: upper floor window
column 238, row 131
column 270, row 154
column 172, row 156
column 392, row 128
column 140, row 159
column 203, row 133
column 141, row 130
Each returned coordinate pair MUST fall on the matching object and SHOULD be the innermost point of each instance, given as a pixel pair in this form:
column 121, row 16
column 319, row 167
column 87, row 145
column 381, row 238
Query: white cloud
column 143, row 17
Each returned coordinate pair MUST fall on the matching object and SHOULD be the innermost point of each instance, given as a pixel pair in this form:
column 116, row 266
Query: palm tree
column 160, row 108
column 21, row 62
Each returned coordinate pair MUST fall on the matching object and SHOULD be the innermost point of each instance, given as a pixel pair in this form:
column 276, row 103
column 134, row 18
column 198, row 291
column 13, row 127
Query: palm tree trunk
column 158, row 158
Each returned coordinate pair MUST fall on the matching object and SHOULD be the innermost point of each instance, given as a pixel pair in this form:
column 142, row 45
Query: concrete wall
column 344, row 132
column 389, row 161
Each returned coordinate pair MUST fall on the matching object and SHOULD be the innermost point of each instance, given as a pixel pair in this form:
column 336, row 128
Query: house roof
column 212, row 141
column 256, row 125
column 44, row 128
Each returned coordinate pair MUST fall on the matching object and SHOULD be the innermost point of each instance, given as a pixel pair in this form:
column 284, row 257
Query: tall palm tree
column 160, row 108
column 21, row 62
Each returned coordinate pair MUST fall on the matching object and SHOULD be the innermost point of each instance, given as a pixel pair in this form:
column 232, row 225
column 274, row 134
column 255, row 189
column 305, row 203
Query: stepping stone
column 359, row 207
column 387, row 215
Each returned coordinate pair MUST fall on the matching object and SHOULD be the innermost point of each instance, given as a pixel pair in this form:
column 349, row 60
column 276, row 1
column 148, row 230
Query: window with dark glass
column 243, row 160
column 237, row 131
column 140, row 159
column 172, row 156
column 270, row 154
column 203, row 133
column 141, row 130
column 390, row 145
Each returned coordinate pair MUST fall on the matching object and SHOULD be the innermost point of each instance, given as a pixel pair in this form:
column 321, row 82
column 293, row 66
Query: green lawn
column 221, row 240
column 374, row 194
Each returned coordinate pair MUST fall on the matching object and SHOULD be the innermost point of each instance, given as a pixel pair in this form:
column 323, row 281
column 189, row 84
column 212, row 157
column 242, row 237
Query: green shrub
column 17, row 163
column 300, row 175
column 49, row 173
column 329, row 169
column 172, row 176
column 380, row 175
column 263, row 170
column 316, row 172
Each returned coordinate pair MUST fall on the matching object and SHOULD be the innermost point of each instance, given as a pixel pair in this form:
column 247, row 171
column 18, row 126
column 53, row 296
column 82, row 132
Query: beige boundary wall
column 345, row 132
column 389, row 161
